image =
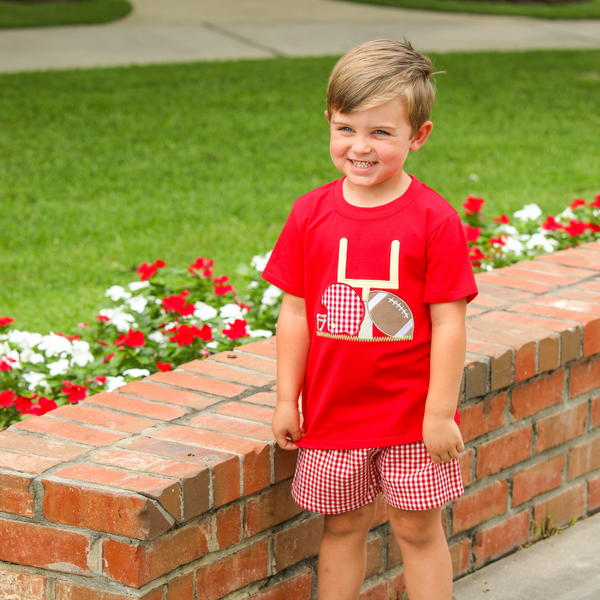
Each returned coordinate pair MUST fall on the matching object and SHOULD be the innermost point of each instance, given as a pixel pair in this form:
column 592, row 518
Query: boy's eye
column 381, row 132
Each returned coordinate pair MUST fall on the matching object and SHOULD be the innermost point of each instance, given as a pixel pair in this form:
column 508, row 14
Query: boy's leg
column 425, row 553
column 343, row 553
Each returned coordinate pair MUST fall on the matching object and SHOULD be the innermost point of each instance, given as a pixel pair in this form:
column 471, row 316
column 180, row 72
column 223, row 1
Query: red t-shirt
column 368, row 276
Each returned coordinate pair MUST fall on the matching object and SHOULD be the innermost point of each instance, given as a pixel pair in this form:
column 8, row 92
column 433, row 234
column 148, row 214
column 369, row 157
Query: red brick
column 482, row 417
column 381, row 512
column 263, row 398
column 65, row 590
column 256, row 455
column 243, row 411
column 67, row 431
column 212, row 368
column 568, row 304
column 595, row 412
column 379, row 591
column 22, row 586
column 161, row 393
column 394, row 554
column 460, row 554
column 591, row 246
column 181, row 588
column 565, row 257
column 549, row 278
column 501, row 293
column 465, row 459
column 119, row 513
column 590, row 323
column 225, row 467
column 488, row 301
column 102, row 418
column 593, row 493
column 473, row 311
column 284, row 463
column 25, row 463
column 536, row 265
column 374, row 556
column 501, row 361
column 247, row 361
column 583, row 458
column 228, row 525
column 199, row 384
column 541, row 477
column 256, row 431
column 560, row 427
column 590, row 286
column 152, row 410
column 562, row 508
column 234, row 571
column 577, row 293
column 137, row 564
column 585, row 376
column 297, row 543
column 513, row 282
column 476, row 376
column 195, row 479
column 504, row 451
column 479, row 506
column 47, row 547
column 166, row 491
column 501, row 539
column 16, row 496
column 298, row 587
column 267, row 349
column 269, row 508
column 532, row 397
column 570, row 333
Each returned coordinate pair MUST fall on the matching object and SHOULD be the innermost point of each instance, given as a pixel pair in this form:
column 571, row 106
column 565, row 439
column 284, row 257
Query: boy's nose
column 361, row 146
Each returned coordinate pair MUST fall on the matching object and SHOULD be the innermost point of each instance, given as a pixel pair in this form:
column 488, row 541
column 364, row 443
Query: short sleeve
column 449, row 273
column 285, row 268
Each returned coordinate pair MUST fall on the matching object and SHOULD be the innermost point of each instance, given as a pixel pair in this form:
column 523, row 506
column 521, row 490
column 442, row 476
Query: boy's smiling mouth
column 362, row 164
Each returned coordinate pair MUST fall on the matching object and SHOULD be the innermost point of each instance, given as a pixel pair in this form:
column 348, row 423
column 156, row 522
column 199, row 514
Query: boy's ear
column 420, row 136
column 327, row 115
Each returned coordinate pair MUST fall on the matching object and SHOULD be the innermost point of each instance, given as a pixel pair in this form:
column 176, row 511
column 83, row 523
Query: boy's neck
column 375, row 195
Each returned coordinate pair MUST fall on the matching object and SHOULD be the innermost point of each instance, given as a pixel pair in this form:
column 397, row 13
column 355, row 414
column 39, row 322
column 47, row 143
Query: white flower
column 566, row 215
column 212, row 345
column 134, row 286
column 474, row 176
column 539, row 239
column 158, row 337
column 60, row 367
column 55, row 345
column 508, row 229
column 260, row 262
column 4, row 348
column 30, row 356
column 24, row 339
column 204, row 311
column 15, row 363
column 114, row 382
column 119, row 318
column 81, row 353
column 137, row 303
column 137, row 372
column 253, row 285
column 264, row 333
column 270, row 296
column 231, row 312
column 530, row 212
column 514, row 245
column 34, row 380
column 117, row 292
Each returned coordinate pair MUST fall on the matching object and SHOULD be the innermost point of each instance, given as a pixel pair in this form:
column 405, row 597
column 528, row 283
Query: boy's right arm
column 293, row 343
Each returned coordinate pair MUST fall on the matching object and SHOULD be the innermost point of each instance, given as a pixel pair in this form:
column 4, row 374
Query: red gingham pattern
column 337, row 481
column 345, row 309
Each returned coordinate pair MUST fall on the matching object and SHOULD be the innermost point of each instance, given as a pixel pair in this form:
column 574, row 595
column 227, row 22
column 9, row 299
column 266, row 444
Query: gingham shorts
column 337, row 481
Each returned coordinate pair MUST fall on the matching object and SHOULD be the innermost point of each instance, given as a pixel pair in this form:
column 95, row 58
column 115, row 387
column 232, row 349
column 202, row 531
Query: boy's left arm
column 448, row 347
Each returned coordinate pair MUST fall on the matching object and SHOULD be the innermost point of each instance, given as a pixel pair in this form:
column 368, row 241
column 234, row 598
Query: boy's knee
column 353, row 522
column 415, row 527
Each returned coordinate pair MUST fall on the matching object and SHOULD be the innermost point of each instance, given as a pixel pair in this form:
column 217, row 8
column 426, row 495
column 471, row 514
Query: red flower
column 244, row 306
column 221, row 279
column 102, row 318
column 473, row 205
column 100, row 379
column 221, row 290
column 185, row 334
column 7, row 398
column 236, row 330
column 476, row 256
column 74, row 391
column 472, row 233
column 551, row 223
column 575, row 228
column 593, row 227
column 133, row 339
column 4, row 366
column 102, row 343
column 502, row 219
column 69, row 337
column 596, row 201
column 202, row 266
column 147, row 271
column 43, row 406
column 577, row 202
column 177, row 304
column 107, row 358
column 164, row 366
column 22, row 404
column 4, row 321
column 83, row 324
column 501, row 240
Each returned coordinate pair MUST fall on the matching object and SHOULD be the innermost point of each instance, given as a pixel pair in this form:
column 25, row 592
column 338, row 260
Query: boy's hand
column 286, row 426
column 442, row 438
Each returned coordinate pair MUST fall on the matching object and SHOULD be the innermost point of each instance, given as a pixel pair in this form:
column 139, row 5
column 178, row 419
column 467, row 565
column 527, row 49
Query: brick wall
column 173, row 488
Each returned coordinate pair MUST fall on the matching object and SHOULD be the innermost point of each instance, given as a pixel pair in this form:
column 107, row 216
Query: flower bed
column 173, row 316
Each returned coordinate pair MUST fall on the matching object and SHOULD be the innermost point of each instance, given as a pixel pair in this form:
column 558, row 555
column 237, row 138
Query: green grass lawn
column 584, row 9
column 103, row 169
column 82, row 12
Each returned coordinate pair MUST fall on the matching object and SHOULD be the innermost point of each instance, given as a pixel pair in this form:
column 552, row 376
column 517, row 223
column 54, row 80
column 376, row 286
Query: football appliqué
column 390, row 314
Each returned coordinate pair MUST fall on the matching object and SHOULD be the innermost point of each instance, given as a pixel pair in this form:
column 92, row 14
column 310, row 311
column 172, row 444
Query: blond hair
column 379, row 71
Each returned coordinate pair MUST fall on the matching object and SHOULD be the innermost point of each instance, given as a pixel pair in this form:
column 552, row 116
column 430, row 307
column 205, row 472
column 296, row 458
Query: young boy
column 376, row 278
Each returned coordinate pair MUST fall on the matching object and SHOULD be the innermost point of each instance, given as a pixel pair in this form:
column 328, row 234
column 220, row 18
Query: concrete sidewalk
column 159, row 31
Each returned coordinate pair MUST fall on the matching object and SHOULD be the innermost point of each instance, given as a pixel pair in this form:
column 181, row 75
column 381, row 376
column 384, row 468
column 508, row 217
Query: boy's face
column 370, row 146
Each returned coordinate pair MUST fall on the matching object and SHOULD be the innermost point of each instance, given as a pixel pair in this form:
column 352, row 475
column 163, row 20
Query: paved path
column 189, row 30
